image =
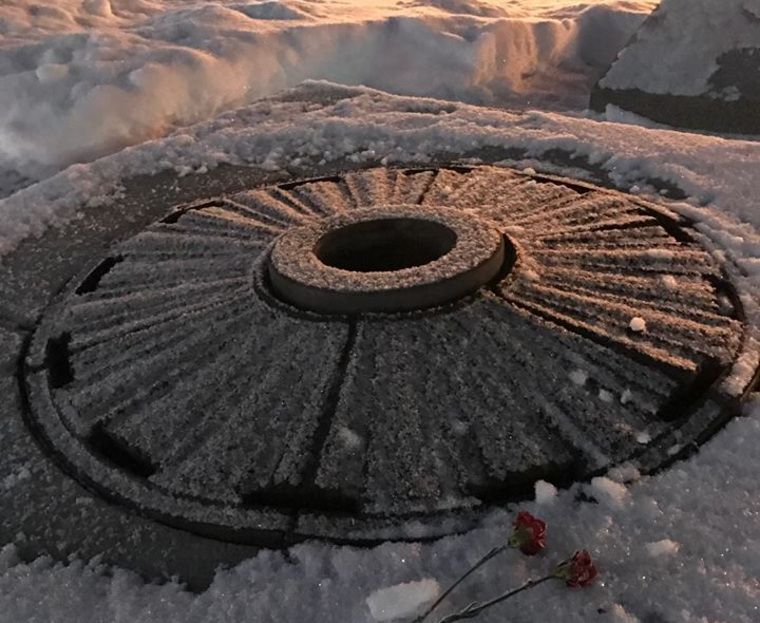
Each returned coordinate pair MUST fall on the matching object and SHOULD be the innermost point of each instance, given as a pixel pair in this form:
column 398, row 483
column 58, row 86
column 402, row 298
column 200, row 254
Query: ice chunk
column 608, row 491
column 662, row 548
column 546, row 492
column 402, row 600
column 606, row 396
column 579, row 377
column 643, row 437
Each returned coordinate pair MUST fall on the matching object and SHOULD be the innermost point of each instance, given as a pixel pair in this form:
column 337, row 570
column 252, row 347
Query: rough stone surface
column 171, row 379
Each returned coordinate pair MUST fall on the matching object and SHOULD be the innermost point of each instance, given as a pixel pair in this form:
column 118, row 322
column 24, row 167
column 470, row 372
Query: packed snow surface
column 401, row 601
column 82, row 79
column 678, row 50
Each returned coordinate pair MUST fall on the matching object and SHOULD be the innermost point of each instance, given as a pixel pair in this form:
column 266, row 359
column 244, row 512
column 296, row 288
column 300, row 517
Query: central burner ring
column 389, row 259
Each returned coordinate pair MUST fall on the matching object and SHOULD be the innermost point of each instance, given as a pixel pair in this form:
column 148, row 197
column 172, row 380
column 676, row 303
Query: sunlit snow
column 80, row 79
column 83, row 79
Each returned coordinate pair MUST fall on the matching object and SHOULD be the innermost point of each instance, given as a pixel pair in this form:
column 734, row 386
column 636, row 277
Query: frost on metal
column 172, row 378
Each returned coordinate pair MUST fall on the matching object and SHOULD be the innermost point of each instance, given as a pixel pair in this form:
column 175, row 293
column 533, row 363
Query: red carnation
column 578, row 570
column 529, row 535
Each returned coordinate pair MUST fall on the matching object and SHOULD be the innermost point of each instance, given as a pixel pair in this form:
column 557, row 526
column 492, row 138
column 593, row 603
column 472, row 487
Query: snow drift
column 693, row 64
column 82, row 79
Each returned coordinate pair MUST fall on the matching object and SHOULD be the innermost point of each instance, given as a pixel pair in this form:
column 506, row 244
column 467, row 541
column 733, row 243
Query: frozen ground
column 680, row 547
column 80, row 79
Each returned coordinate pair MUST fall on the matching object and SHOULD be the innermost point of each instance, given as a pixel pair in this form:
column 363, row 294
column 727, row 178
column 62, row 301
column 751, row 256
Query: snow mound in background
column 678, row 49
column 274, row 10
column 79, row 80
column 463, row 7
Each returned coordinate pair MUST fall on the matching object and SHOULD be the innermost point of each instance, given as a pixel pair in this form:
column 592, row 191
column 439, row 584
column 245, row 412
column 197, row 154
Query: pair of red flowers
column 529, row 536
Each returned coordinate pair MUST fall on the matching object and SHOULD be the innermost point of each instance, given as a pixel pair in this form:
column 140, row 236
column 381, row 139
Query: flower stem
column 474, row 609
column 494, row 552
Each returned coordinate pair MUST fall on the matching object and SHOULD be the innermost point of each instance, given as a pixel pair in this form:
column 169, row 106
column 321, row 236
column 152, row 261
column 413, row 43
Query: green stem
column 494, row 552
column 473, row 609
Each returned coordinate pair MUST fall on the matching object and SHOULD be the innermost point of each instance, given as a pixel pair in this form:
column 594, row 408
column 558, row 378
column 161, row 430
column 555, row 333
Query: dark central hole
column 385, row 245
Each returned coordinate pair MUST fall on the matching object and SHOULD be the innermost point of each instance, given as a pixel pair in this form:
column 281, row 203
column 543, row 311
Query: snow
column 80, row 80
column 678, row 51
column 578, row 376
column 662, row 548
column 403, row 600
column 546, row 493
column 606, row 396
column 363, row 125
column 618, row 614
column 609, row 491
column 350, row 438
column 83, row 79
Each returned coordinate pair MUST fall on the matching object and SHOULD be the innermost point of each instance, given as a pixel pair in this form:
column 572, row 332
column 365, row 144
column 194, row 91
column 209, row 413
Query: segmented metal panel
column 171, row 379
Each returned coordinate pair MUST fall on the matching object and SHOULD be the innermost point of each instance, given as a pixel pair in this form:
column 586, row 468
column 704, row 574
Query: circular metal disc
column 172, row 378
